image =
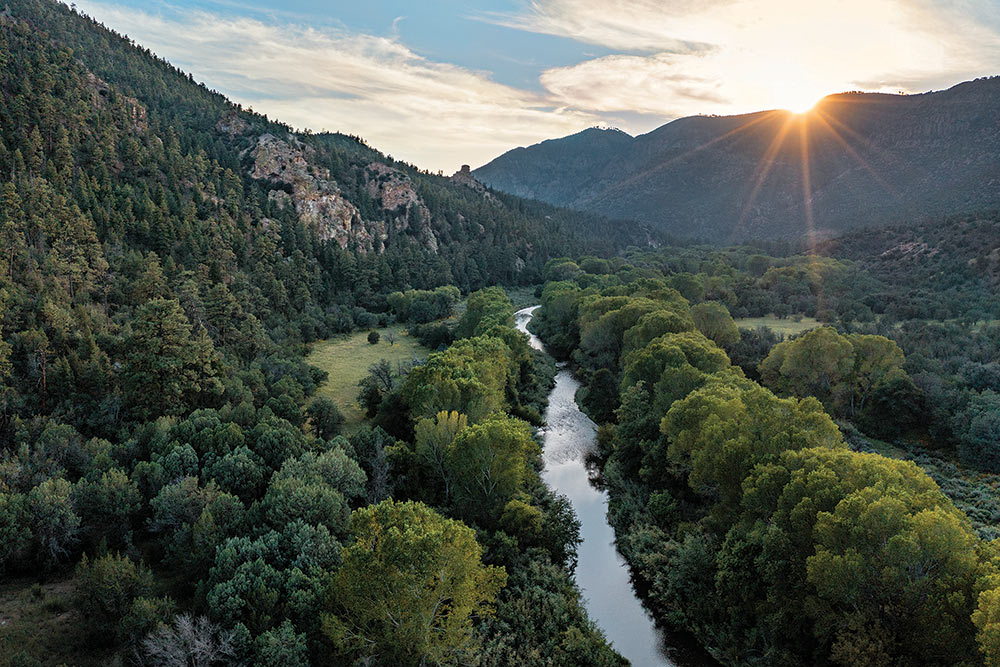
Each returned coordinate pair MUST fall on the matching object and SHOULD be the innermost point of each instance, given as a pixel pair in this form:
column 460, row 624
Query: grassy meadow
column 347, row 358
column 37, row 620
column 786, row 326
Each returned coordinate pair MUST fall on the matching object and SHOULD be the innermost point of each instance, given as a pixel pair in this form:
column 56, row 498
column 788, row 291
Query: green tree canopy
column 409, row 587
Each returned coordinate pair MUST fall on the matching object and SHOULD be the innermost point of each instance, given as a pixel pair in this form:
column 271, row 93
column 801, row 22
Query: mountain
column 856, row 159
column 167, row 258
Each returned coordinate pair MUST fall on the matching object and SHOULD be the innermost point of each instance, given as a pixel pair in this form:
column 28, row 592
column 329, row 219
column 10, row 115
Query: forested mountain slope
column 165, row 475
column 855, row 160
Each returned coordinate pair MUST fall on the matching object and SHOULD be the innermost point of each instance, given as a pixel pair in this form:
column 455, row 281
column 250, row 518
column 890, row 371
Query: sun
column 801, row 107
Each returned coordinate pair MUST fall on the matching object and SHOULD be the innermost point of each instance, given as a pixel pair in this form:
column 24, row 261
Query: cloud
column 435, row 115
column 676, row 58
column 726, row 56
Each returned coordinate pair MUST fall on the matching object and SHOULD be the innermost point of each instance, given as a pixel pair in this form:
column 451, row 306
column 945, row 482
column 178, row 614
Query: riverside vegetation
column 174, row 487
column 745, row 512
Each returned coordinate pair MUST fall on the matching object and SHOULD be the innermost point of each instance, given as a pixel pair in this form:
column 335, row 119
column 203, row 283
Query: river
column 601, row 572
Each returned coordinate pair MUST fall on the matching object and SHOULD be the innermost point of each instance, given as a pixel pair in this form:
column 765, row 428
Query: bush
column 373, row 337
column 105, row 591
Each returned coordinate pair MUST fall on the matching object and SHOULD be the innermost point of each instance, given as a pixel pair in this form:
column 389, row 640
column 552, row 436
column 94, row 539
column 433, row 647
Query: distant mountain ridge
column 873, row 159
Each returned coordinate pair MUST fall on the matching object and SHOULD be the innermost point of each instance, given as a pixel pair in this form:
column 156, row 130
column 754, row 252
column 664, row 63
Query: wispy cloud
column 436, row 115
column 728, row 56
column 675, row 58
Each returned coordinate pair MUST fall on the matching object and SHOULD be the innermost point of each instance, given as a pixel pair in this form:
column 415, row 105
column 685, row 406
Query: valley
column 722, row 392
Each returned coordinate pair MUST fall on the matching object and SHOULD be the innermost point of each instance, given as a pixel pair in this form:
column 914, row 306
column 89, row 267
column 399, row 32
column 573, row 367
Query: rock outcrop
column 464, row 177
column 405, row 209
column 316, row 198
column 320, row 203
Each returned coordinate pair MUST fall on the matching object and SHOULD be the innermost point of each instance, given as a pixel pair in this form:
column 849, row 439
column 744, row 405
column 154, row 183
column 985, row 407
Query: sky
column 441, row 83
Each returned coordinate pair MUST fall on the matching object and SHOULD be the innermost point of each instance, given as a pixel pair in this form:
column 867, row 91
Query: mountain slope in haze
column 857, row 159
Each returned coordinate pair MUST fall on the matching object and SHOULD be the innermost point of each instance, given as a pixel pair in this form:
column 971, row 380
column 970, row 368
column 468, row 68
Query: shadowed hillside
column 856, row 159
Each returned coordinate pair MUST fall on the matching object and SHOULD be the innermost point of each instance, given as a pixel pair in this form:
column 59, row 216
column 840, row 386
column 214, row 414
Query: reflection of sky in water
column 601, row 572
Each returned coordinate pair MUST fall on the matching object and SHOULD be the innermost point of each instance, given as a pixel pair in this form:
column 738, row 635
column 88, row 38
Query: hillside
column 855, row 160
column 174, row 489
column 947, row 268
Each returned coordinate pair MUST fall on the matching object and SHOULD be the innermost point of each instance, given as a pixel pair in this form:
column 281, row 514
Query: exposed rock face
column 319, row 202
column 464, row 177
column 233, row 125
column 316, row 198
column 102, row 94
column 395, row 193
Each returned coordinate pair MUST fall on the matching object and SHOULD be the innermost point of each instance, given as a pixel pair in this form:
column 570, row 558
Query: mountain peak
column 857, row 159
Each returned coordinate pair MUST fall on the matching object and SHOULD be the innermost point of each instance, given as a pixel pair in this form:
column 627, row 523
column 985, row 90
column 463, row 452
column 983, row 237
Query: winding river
column 601, row 572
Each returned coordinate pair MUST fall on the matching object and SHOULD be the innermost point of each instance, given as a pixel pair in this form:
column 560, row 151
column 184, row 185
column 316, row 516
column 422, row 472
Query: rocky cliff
column 289, row 166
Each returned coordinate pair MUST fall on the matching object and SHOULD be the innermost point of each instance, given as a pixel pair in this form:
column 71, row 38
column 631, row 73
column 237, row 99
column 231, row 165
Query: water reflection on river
column 601, row 572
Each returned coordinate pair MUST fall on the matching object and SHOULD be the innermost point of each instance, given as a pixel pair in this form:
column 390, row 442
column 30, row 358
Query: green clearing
column 36, row 620
column 785, row 326
column 347, row 358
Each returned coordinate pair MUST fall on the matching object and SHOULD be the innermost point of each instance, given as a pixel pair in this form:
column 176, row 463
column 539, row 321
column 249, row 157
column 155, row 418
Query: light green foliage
column 487, row 464
column 486, row 309
column 891, row 567
column 673, row 365
column 434, row 438
column 470, row 377
column 875, row 359
column 713, row 320
column 409, row 586
column 818, row 363
column 841, row 371
column 725, row 429
column 653, row 325
column 106, row 588
column 987, row 621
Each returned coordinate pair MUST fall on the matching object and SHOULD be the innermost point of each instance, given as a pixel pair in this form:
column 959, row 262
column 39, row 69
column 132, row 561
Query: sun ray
column 805, row 156
column 762, row 170
column 677, row 158
column 829, row 122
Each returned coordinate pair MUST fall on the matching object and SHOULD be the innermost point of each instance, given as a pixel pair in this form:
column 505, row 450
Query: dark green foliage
column 373, row 337
column 978, row 431
column 325, row 417
column 600, row 397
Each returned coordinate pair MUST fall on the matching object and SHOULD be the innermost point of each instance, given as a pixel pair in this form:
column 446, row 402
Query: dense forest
column 819, row 499
column 167, row 258
column 174, row 490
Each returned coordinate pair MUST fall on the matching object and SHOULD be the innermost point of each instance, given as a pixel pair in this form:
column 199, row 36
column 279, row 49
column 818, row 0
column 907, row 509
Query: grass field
column 347, row 358
column 36, row 620
column 787, row 326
